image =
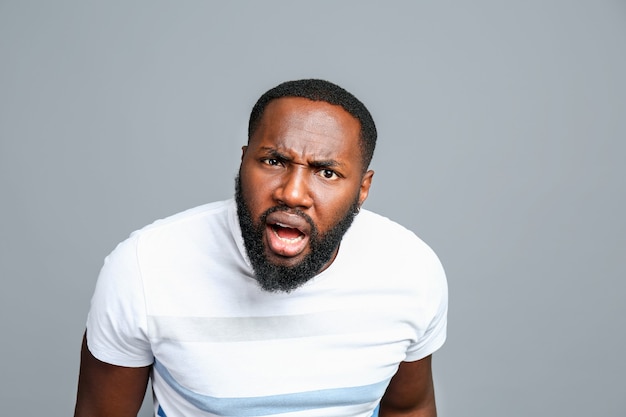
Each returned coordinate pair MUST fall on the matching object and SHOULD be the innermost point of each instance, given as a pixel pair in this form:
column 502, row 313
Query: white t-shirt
column 180, row 294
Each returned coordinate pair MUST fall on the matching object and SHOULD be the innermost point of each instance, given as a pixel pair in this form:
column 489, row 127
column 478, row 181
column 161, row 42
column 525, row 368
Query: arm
column 411, row 392
column 108, row 390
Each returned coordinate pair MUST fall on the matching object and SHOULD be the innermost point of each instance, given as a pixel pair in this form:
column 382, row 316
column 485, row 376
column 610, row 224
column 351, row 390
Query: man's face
column 300, row 183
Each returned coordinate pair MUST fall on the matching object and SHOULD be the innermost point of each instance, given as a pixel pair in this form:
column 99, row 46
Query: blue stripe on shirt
column 275, row 404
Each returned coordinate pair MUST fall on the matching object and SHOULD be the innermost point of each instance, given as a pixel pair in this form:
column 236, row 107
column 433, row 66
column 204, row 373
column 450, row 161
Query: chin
column 284, row 261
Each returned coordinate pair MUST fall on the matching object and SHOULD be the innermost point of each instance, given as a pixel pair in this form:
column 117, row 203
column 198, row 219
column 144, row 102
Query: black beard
column 276, row 278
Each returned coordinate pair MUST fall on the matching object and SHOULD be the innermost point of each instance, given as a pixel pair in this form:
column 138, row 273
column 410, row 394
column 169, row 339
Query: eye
column 329, row 174
column 271, row 162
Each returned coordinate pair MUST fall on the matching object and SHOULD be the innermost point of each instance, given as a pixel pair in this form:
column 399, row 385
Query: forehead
column 306, row 126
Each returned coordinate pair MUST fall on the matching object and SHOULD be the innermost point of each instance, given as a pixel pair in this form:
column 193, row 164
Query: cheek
column 333, row 207
column 256, row 191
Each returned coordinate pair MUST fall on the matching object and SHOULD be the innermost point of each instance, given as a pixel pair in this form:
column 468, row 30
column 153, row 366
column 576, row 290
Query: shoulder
column 404, row 274
column 193, row 221
column 200, row 213
column 383, row 234
column 384, row 246
column 173, row 231
column 370, row 219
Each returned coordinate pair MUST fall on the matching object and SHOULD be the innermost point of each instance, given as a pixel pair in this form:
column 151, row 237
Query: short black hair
column 321, row 90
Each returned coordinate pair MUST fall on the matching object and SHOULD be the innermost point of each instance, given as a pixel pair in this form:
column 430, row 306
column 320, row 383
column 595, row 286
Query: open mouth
column 287, row 234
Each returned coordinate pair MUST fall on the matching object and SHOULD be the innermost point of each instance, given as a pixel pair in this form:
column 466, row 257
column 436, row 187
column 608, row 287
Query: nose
column 294, row 190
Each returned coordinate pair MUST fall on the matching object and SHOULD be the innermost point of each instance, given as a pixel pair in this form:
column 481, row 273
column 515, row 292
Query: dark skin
column 106, row 390
column 411, row 392
column 305, row 155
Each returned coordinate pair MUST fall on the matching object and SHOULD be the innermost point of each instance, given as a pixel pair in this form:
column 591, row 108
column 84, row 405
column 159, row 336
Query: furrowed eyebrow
column 324, row 164
column 273, row 153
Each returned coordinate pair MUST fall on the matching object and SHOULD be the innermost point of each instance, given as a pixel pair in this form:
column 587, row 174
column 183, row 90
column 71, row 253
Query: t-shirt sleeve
column 117, row 324
column 433, row 333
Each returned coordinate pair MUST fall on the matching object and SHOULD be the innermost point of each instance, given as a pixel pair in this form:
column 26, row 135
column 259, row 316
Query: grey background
column 502, row 128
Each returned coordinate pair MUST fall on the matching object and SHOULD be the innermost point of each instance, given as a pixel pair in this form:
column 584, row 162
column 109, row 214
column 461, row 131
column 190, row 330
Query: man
column 289, row 300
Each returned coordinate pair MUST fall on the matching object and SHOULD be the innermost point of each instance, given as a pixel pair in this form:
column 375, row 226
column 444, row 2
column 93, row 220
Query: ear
column 243, row 151
column 366, row 183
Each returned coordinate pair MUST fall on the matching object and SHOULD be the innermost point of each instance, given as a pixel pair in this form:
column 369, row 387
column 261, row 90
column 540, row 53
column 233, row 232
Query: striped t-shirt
column 180, row 295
